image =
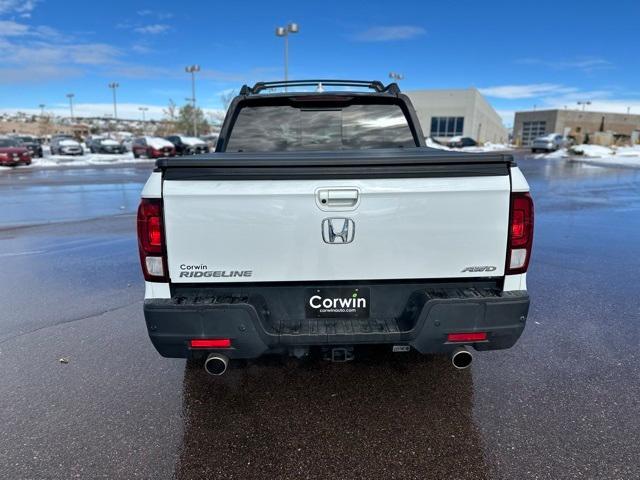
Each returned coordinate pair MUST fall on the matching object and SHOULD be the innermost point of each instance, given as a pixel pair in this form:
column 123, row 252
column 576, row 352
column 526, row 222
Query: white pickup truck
column 323, row 222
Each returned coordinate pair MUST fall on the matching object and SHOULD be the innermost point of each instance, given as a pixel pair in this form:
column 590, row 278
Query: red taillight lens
column 154, row 231
column 210, row 343
column 151, row 240
column 520, row 233
column 467, row 337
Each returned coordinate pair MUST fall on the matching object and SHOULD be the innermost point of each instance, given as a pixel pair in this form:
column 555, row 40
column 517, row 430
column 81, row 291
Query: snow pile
column 108, row 141
column 94, row 159
column 633, row 151
column 599, row 155
column 592, row 151
column 191, row 141
column 432, row 144
column 487, row 147
column 158, row 143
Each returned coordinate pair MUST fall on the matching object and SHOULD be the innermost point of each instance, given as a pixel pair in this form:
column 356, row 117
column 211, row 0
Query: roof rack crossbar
column 373, row 85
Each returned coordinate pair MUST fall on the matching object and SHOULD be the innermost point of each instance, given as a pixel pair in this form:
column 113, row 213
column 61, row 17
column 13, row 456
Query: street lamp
column 284, row 32
column 143, row 109
column 113, row 86
column 584, row 104
column 42, row 105
column 192, row 69
column 396, row 76
column 70, row 97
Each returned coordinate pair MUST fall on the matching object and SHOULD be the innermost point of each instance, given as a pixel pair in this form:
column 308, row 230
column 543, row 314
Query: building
column 447, row 113
column 583, row 127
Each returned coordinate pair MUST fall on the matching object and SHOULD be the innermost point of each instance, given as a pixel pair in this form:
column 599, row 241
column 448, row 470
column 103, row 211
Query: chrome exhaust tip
column 216, row 364
column 461, row 358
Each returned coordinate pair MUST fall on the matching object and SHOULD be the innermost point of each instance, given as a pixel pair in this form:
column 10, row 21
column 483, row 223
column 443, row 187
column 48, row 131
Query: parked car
column 548, row 143
column 210, row 140
column 105, row 145
column 152, row 147
column 12, row 153
column 188, row 145
column 460, row 142
column 225, row 246
column 65, row 145
column 32, row 144
column 127, row 143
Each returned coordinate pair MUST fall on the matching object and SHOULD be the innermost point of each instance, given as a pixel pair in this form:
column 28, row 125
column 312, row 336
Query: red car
column 152, row 147
column 12, row 154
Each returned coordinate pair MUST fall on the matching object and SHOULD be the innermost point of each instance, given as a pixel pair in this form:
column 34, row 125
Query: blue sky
column 519, row 54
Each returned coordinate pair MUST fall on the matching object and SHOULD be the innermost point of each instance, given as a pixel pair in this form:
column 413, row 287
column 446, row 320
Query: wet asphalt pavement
column 563, row 403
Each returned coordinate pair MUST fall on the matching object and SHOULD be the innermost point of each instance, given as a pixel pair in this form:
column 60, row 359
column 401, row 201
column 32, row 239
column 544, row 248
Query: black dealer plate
column 337, row 302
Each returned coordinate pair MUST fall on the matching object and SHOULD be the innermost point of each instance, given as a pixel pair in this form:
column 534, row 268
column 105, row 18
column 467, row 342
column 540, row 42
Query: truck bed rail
column 387, row 163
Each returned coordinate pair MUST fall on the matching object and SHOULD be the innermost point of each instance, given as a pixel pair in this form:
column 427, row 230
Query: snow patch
column 593, row 151
column 598, row 155
column 158, row 143
column 487, row 147
column 191, row 141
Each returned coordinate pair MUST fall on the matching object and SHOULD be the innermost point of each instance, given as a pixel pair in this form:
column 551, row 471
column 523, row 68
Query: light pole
column 192, row 69
column 113, row 86
column 396, row 76
column 70, row 97
column 584, row 104
column 144, row 125
column 42, row 105
column 284, row 32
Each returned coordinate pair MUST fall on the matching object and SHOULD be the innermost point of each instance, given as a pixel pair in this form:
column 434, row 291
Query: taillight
column 520, row 233
column 151, row 240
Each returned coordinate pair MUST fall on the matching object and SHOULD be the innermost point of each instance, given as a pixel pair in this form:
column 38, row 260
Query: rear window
column 352, row 127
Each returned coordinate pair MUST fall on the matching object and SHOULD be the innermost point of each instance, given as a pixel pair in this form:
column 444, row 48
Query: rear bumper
column 271, row 319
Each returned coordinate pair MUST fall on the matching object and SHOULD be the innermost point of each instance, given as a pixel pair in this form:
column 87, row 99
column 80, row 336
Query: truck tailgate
column 316, row 228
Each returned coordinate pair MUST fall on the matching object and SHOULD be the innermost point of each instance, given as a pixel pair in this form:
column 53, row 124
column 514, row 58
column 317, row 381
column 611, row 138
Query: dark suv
column 30, row 143
column 105, row 145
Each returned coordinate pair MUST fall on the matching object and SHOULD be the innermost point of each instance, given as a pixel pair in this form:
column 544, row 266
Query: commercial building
column 447, row 113
column 583, row 127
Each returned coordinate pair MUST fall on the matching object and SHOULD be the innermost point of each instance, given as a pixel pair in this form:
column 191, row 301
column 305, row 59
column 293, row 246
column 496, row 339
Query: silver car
column 548, row 143
column 65, row 145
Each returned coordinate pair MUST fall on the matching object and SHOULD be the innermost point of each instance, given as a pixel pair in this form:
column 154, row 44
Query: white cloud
column 36, row 73
column 155, row 29
column 153, row 13
column 9, row 28
column 586, row 64
column 525, row 91
column 389, row 33
column 22, row 8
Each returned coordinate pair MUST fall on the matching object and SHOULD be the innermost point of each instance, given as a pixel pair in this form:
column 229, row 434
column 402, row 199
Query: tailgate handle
column 338, row 197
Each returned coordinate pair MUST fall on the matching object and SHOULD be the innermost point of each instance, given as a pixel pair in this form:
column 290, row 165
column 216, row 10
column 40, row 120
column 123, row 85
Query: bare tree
column 225, row 99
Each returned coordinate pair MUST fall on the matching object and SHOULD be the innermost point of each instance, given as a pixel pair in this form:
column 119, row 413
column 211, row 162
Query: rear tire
column 135, row 155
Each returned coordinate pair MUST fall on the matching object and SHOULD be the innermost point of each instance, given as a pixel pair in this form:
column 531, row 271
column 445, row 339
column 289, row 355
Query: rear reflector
column 520, row 233
column 467, row 337
column 210, row 343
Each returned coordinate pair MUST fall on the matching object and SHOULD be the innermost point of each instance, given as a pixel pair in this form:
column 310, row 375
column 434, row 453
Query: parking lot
column 561, row 404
